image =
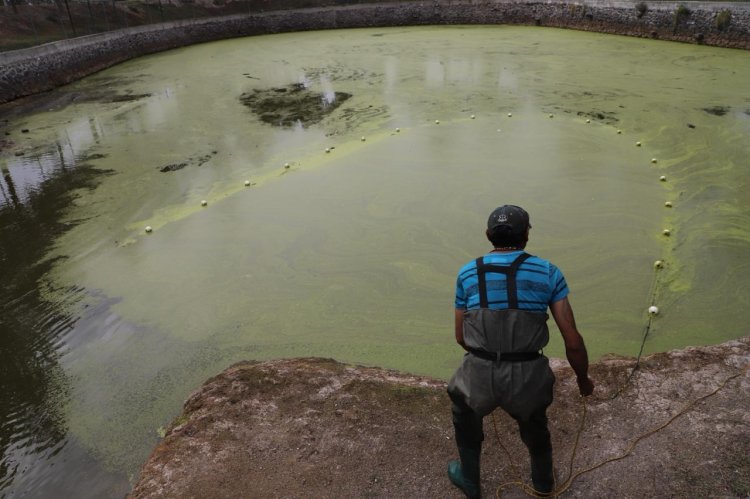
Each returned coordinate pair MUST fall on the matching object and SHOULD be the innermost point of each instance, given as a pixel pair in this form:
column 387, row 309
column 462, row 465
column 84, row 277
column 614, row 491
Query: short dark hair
column 503, row 237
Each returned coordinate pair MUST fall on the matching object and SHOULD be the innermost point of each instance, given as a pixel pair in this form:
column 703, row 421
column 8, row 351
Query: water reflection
column 305, row 263
column 33, row 386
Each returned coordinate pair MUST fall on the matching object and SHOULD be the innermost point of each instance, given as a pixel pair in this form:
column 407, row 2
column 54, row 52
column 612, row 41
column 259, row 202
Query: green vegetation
column 723, row 19
column 680, row 13
column 641, row 8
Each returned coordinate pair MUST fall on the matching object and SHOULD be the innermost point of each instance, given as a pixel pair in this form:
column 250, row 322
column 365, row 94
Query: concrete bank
column 38, row 69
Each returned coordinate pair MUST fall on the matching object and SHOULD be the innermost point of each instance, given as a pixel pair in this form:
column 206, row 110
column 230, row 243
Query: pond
column 347, row 175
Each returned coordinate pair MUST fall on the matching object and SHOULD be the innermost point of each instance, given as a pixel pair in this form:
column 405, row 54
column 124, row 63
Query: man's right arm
column 575, row 348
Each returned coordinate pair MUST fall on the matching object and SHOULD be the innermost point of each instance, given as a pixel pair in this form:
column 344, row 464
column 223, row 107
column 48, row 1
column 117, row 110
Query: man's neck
column 506, row 249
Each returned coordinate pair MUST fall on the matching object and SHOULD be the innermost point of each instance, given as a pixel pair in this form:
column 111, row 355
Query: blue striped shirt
column 539, row 283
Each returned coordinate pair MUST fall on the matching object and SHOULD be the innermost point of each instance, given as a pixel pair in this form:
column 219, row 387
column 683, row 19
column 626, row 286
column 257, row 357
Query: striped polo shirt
column 538, row 281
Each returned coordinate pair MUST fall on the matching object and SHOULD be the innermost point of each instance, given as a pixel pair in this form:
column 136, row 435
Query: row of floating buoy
column 149, row 229
column 659, row 264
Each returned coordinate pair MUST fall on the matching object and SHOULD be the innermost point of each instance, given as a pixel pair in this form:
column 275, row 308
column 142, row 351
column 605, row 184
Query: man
column 501, row 322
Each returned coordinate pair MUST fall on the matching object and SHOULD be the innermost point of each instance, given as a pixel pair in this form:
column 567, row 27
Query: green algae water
column 359, row 211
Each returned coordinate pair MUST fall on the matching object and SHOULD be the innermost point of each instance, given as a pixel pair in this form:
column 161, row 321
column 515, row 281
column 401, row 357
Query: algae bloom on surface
column 353, row 254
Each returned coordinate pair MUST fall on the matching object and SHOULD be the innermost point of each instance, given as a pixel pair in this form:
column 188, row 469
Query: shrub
column 641, row 8
column 682, row 11
column 723, row 20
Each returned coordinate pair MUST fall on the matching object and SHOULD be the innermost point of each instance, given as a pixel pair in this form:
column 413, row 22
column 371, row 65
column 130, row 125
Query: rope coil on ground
column 573, row 476
column 558, row 490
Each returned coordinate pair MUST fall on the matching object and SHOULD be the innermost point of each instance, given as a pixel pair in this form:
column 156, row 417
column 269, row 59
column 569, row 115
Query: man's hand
column 575, row 349
column 585, row 386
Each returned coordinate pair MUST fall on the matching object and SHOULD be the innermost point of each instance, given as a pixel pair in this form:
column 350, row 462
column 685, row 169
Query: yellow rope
column 557, row 491
column 571, row 476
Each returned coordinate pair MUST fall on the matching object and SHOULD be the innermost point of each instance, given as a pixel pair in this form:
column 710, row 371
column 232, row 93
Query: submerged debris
column 717, row 110
column 124, row 97
column 199, row 161
column 173, row 167
column 608, row 117
column 293, row 104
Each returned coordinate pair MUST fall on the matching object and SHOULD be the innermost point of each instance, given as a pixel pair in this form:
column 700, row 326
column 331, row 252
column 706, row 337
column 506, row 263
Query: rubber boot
column 464, row 473
column 542, row 477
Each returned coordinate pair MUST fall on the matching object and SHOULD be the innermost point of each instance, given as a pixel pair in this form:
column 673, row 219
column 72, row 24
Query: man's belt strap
column 505, row 356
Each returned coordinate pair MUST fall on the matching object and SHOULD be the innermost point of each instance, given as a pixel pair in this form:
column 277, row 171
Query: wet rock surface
column 318, row 428
column 292, row 104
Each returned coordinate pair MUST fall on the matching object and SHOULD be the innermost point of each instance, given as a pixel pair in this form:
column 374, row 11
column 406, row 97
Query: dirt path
column 318, row 428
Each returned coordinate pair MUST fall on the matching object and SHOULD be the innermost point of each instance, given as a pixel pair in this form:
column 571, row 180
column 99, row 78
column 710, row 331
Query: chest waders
column 504, row 366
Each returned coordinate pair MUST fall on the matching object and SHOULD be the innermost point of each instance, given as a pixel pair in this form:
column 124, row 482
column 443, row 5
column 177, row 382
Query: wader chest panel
column 519, row 387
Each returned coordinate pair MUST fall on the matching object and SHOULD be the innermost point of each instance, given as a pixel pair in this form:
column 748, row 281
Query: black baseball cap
column 511, row 216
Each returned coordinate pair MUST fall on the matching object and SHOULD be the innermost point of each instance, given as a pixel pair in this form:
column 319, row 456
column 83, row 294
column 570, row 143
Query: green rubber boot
column 464, row 474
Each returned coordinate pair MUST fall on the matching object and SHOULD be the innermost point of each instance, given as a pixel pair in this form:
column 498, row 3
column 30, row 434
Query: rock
column 319, row 428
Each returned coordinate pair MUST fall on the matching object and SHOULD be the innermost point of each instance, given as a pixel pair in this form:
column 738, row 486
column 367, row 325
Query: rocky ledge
column 319, row 428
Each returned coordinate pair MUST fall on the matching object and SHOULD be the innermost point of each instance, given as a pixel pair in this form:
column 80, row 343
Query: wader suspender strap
column 510, row 278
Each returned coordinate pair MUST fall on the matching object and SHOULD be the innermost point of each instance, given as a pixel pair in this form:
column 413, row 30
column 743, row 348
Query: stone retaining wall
column 38, row 69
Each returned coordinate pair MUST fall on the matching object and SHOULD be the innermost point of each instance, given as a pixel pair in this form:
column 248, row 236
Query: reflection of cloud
column 434, row 73
column 438, row 72
column 23, row 176
column 304, row 80
column 329, row 95
column 506, row 79
column 158, row 110
column 390, row 69
column 458, row 70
